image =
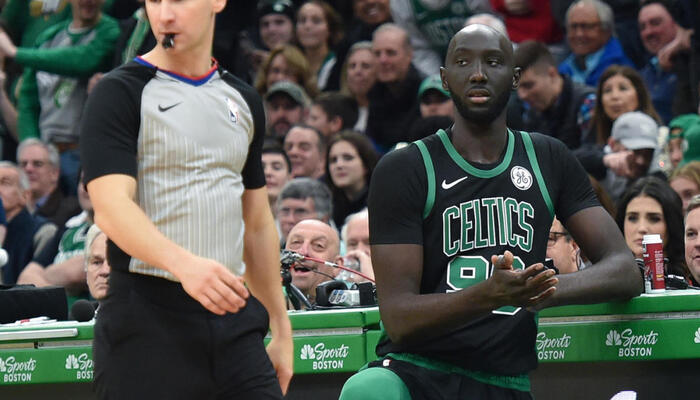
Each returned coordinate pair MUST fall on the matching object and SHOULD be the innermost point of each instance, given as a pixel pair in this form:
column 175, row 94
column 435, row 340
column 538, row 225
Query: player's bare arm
column 613, row 275
column 409, row 315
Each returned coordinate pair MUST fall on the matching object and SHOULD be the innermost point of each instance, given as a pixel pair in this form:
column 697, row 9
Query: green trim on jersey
column 515, row 382
column 530, row 149
column 464, row 164
column 430, row 172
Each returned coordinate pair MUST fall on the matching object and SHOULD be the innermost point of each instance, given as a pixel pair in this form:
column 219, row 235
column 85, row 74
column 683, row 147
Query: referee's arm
column 116, row 213
column 261, row 256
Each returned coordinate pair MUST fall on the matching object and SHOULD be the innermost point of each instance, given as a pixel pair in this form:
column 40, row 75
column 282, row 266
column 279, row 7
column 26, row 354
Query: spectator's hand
column 517, row 7
column 7, row 48
column 93, row 81
column 618, row 162
column 365, row 264
column 212, row 285
column 680, row 43
column 281, row 353
column 521, row 288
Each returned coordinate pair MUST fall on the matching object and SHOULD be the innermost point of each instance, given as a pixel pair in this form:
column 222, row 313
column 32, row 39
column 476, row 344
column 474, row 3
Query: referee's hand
column 213, row 286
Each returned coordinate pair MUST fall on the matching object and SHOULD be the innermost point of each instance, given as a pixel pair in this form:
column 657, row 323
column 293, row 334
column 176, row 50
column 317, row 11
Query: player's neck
column 481, row 143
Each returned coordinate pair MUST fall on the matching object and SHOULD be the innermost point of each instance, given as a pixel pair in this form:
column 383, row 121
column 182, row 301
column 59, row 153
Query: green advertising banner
column 619, row 341
column 342, row 353
column 56, row 365
column 337, row 341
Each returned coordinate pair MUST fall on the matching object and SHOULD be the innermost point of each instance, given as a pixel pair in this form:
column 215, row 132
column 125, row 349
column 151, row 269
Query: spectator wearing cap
column 589, row 32
column 555, row 104
column 634, row 137
column 332, row 112
column 286, row 104
column 691, row 137
column 433, row 99
column 276, row 23
column 676, row 144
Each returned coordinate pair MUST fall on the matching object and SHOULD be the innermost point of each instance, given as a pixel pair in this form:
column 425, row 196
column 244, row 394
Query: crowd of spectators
column 344, row 82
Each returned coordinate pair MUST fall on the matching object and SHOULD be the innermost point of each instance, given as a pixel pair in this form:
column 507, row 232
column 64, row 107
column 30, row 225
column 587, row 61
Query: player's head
column 479, row 73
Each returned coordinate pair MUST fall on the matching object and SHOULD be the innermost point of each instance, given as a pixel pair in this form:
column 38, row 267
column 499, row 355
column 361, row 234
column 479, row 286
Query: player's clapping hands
column 521, row 288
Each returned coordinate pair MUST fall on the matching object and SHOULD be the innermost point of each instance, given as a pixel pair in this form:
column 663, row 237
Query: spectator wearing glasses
column 589, row 33
column 562, row 249
column 300, row 199
column 40, row 162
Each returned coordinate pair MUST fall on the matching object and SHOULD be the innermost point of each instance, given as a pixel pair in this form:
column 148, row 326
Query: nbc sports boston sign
column 323, row 354
column 55, row 365
column 618, row 341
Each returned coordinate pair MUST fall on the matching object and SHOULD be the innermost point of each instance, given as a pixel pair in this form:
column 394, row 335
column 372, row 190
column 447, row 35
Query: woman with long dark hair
column 651, row 206
column 350, row 160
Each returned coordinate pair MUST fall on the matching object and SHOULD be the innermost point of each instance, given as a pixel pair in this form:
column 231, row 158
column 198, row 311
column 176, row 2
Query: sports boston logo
column 632, row 345
column 82, row 364
column 17, row 371
column 325, row 358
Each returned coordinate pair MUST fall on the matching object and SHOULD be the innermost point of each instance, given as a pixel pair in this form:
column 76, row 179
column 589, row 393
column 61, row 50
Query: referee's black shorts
column 153, row 341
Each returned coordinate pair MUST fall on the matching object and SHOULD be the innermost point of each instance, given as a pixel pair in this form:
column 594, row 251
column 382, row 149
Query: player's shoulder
column 542, row 142
column 401, row 157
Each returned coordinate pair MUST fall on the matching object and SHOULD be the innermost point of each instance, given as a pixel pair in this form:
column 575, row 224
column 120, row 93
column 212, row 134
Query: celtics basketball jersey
column 468, row 213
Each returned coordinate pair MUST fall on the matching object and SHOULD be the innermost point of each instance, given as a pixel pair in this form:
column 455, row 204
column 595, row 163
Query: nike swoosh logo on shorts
column 164, row 109
column 450, row 185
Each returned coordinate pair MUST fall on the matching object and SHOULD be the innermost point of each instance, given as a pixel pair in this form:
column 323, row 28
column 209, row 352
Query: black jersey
column 462, row 214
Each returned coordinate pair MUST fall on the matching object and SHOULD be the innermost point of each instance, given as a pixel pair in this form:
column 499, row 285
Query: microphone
column 83, row 310
column 290, row 257
column 168, row 41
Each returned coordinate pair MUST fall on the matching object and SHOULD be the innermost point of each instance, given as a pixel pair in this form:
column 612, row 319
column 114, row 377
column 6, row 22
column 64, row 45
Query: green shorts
column 411, row 378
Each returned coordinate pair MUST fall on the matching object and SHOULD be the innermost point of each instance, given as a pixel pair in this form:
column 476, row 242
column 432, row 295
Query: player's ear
column 517, row 71
column 443, row 71
column 218, row 5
